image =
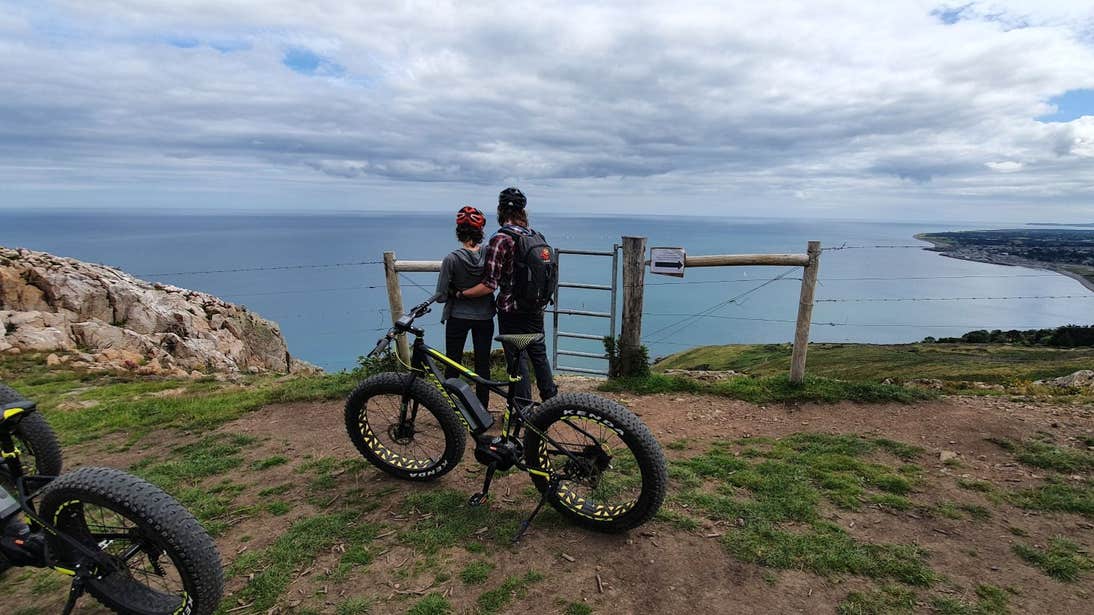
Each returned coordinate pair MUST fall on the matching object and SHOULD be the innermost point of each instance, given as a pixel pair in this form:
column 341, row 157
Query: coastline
column 953, row 250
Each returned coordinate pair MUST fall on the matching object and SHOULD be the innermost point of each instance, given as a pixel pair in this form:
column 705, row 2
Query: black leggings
column 455, row 334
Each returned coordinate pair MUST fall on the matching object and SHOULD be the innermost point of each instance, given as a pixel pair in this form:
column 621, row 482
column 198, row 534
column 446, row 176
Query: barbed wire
column 874, row 247
column 273, row 268
column 898, row 299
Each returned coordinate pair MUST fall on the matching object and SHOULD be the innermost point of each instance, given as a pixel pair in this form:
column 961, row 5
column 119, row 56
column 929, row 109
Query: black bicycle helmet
column 511, row 197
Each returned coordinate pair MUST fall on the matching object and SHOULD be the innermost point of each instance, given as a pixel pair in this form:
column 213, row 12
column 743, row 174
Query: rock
column 53, row 360
column 1082, row 379
column 928, row 383
column 945, row 456
column 118, row 322
column 705, row 375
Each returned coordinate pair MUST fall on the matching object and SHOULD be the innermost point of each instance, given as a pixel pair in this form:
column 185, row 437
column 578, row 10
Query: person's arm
column 491, row 274
column 444, row 280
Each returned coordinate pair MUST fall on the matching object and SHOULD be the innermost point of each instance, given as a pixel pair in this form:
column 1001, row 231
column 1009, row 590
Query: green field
column 990, row 363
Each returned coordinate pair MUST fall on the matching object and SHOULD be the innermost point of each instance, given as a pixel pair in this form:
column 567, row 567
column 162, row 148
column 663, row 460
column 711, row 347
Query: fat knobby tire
column 35, row 433
column 170, row 525
column 428, row 398
column 633, row 432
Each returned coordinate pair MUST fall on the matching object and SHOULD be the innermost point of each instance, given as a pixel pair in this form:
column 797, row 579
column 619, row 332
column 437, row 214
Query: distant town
column 1066, row 251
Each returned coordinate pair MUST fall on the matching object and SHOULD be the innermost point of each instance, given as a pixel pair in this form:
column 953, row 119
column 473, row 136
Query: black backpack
column 535, row 271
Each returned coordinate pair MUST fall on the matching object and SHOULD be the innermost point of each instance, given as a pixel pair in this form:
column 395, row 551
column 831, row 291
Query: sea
column 318, row 275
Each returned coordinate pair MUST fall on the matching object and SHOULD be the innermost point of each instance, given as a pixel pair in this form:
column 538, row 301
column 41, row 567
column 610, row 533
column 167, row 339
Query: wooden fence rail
column 634, row 274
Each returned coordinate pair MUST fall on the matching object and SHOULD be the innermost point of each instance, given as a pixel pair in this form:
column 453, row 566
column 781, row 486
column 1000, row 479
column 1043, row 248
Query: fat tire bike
column 590, row 458
column 131, row 546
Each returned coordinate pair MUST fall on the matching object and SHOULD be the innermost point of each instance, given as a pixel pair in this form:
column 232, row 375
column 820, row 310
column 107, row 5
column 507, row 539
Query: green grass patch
column 276, row 490
column 273, row 567
column 990, row 600
column 354, row 606
column 433, row 604
column 269, row 462
column 278, row 508
column 1063, row 560
column 677, row 519
column 513, row 587
column 578, row 608
column 770, row 389
column 890, row 599
column 185, row 469
column 1056, row 496
column 783, row 484
column 476, row 573
column 128, row 404
column 445, row 520
column 1049, row 456
column 994, row 363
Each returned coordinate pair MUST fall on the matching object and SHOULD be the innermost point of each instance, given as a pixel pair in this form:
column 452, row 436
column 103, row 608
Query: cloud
column 849, row 105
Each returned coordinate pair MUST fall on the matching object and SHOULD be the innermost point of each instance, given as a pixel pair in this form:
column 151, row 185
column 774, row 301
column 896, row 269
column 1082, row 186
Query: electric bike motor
column 503, row 453
column 468, row 404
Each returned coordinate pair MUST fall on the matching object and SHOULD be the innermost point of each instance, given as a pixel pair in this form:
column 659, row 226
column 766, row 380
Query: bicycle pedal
column 479, row 499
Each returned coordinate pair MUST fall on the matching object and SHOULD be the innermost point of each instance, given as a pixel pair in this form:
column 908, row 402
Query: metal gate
column 559, row 310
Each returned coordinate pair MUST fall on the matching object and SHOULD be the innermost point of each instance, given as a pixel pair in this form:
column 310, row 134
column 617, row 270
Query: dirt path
column 659, row 569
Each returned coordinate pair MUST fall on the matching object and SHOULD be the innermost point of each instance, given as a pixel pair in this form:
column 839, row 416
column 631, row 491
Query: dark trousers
column 521, row 322
column 455, row 336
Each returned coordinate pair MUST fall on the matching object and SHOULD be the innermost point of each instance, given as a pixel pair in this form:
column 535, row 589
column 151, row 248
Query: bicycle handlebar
column 404, row 324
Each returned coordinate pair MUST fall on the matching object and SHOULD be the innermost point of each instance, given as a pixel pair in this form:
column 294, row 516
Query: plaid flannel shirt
column 498, row 271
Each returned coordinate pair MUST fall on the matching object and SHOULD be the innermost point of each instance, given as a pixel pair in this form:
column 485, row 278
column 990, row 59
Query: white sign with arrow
column 667, row 261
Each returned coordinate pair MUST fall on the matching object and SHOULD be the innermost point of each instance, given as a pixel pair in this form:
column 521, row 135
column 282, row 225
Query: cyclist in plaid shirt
column 498, row 275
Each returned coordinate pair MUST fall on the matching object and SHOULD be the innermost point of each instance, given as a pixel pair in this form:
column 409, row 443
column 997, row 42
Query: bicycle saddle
column 519, row 341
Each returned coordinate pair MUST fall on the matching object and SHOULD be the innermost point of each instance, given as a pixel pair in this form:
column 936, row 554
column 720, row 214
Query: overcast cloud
column 900, row 109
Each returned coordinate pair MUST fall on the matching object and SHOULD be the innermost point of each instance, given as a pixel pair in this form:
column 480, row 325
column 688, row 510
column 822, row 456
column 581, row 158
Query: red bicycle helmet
column 471, row 217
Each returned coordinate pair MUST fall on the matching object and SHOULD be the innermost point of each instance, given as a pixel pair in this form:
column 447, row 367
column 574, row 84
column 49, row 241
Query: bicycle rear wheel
column 612, row 470
column 39, row 450
column 166, row 563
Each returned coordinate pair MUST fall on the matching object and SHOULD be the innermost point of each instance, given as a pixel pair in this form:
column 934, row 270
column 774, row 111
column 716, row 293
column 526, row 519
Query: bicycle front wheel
column 610, row 469
column 165, row 562
column 404, row 426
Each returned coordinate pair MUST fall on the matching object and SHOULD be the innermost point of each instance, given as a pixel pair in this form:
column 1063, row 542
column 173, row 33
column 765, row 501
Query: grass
column 354, row 606
column 1063, row 560
column 578, row 608
column 269, row 462
column 433, row 604
column 1048, row 456
column 130, row 404
column 993, row 363
column 990, row 600
column 889, row 599
column 775, row 492
column 183, row 471
column 770, row 389
column 1056, row 496
column 514, row 587
column 272, row 568
column 476, row 573
column 445, row 520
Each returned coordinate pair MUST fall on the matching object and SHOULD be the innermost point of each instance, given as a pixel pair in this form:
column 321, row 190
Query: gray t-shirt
column 461, row 270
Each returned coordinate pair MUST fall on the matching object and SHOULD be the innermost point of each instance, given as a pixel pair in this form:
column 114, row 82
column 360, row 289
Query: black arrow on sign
column 672, row 264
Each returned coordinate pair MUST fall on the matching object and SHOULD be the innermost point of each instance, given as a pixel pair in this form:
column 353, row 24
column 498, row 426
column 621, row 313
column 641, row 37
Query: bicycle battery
column 478, row 419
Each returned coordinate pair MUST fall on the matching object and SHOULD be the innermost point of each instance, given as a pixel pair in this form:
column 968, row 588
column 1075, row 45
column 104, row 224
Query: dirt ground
column 659, row 568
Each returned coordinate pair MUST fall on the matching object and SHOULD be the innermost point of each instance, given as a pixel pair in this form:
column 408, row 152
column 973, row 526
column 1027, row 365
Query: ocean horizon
column 315, row 274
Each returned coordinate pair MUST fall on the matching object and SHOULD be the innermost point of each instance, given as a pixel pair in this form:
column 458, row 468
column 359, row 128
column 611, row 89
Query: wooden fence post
column 395, row 302
column 634, row 281
column 805, row 314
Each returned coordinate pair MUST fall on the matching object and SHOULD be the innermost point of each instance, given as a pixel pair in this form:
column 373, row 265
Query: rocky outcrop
column 1082, row 379
column 97, row 317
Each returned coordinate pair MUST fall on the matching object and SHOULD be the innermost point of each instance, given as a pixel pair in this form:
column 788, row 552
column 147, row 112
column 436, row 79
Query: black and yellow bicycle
column 590, row 458
column 121, row 539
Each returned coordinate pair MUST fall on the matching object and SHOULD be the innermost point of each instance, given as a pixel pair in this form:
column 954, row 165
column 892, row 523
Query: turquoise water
column 330, row 315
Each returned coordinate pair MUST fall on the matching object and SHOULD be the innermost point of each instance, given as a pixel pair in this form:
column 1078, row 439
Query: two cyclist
column 518, row 263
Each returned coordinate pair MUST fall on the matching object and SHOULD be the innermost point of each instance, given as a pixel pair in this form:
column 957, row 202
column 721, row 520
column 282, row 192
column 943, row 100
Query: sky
column 903, row 109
